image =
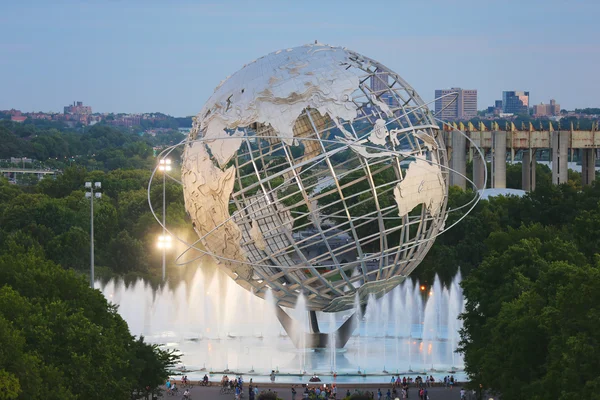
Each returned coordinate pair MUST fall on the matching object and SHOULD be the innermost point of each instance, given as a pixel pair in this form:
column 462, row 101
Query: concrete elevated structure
column 11, row 173
column 500, row 145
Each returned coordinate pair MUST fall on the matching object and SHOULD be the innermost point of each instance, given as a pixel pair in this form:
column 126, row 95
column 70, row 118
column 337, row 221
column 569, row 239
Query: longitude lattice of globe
column 316, row 170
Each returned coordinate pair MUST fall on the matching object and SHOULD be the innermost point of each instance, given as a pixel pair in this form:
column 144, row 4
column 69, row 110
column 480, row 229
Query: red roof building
column 18, row 118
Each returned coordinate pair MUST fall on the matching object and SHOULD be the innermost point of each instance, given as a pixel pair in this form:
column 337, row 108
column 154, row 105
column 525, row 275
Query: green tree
column 127, row 253
column 71, row 249
column 512, row 339
column 62, row 340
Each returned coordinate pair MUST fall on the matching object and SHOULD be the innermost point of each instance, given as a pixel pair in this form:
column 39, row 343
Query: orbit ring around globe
column 193, row 246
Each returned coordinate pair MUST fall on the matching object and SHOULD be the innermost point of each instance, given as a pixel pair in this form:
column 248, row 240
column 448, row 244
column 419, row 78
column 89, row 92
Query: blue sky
column 145, row 56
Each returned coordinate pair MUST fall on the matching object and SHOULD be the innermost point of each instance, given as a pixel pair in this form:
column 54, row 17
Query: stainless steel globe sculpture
column 319, row 171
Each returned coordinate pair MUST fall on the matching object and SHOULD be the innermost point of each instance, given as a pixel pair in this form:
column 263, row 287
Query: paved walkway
column 284, row 392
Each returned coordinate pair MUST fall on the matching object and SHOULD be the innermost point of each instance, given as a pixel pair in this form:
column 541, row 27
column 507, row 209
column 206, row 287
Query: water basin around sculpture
column 217, row 325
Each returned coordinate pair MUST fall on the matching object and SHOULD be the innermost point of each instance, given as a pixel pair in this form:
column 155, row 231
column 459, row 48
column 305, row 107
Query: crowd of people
column 399, row 389
column 173, row 390
column 235, row 385
column 318, row 392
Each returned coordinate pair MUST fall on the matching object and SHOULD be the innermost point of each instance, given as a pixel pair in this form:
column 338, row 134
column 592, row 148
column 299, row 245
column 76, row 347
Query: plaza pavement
column 284, row 392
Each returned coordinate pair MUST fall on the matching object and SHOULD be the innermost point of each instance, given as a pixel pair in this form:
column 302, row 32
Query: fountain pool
column 218, row 327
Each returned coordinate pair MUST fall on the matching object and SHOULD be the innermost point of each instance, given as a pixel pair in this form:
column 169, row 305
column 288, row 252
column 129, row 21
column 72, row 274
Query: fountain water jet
column 300, row 325
column 188, row 317
column 332, row 343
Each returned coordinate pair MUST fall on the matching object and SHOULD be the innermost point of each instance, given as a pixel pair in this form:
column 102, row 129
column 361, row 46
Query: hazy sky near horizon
column 168, row 56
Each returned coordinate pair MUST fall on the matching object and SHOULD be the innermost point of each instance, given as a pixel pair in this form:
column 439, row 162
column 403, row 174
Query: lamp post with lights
column 164, row 241
column 91, row 195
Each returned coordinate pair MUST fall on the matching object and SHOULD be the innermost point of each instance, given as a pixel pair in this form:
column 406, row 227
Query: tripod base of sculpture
column 315, row 339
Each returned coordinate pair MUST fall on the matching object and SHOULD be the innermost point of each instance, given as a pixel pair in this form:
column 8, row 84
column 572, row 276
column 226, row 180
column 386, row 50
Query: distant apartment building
column 496, row 109
column 546, row 110
column 380, row 86
column 77, row 108
column 128, row 120
column 15, row 115
column 379, row 81
column 515, row 102
column 21, row 160
column 40, row 115
column 461, row 105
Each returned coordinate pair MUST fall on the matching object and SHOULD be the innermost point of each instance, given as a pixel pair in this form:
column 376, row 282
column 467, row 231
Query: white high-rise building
column 461, row 105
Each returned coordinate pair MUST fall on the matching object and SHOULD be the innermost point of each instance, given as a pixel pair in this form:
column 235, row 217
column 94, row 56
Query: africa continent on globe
column 319, row 171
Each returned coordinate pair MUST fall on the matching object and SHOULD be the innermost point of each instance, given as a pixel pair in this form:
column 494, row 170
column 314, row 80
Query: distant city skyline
column 143, row 57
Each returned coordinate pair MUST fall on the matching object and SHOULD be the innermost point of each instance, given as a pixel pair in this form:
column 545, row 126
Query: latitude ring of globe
column 319, row 171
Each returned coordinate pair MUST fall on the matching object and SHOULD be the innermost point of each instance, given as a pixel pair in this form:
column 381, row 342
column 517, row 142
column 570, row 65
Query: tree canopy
column 62, row 340
column 56, row 215
column 97, row 147
column 531, row 320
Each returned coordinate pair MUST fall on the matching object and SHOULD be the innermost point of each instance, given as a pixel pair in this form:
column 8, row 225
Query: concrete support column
column 499, row 159
column 313, row 340
column 458, row 161
column 478, row 170
column 560, row 156
column 528, row 170
column 588, row 166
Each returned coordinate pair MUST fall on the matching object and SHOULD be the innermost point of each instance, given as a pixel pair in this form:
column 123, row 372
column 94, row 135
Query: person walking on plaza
column 379, row 394
column 272, row 376
column 388, row 395
column 293, row 393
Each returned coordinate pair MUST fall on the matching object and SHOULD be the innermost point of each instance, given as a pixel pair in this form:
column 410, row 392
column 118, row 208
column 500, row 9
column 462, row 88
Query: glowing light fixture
column 164, row 165
column 164, row 242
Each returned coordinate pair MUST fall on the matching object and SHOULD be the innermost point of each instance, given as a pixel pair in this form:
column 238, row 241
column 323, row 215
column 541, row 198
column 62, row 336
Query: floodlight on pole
column 91, row 195
column 164, row 242
column 164, row 165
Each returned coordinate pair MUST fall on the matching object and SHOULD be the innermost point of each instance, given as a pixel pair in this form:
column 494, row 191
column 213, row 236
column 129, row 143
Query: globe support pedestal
column 316, row 339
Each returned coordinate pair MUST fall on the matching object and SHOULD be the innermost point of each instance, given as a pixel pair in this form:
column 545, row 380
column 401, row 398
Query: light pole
column 164, row 241
column 91, row 195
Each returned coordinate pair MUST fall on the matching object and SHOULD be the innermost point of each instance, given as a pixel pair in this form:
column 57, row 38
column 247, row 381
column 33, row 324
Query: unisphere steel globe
column 319, row 171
